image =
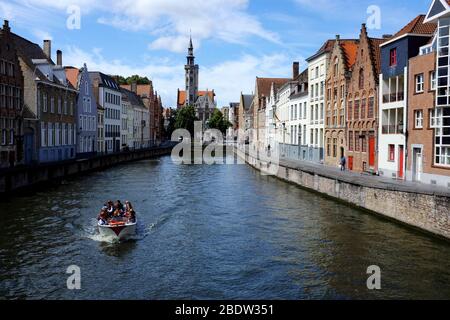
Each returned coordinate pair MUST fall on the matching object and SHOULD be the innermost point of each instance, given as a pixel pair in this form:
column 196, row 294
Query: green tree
column 138, row 79
column 135, row 78
column 171, row 126
column 185, row 119
column 217, row 121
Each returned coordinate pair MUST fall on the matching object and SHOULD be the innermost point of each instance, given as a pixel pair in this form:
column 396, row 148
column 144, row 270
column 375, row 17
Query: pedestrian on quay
column 343, row 163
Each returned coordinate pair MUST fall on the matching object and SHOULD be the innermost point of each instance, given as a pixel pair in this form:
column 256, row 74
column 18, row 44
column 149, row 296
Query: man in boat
column 110, row 209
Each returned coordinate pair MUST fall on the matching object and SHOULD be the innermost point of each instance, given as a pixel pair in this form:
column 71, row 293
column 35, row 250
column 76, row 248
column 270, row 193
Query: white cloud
column 171, row 43
column 228, row 78
column 168, row 20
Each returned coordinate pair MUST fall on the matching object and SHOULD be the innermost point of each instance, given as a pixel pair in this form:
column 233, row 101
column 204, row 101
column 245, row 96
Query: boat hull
column 119, row 232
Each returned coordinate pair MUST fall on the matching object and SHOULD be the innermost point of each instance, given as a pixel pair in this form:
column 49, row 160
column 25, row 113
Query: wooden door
column 401, row 161
column 371, row 151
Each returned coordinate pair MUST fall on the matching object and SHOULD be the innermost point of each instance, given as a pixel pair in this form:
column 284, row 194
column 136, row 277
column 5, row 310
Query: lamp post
column 299, row 142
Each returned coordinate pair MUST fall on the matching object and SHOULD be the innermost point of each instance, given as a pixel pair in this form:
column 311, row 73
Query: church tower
column 191, row 76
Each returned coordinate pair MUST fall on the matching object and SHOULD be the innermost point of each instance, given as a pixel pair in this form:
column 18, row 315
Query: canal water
column 210, row 232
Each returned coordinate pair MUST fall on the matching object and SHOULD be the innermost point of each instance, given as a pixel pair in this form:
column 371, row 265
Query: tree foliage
column 185, row 119
column 135, row 78
column 217, row 121
column 171, row 126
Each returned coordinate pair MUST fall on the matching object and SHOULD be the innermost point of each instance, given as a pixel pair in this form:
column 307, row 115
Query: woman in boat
column 130, row 213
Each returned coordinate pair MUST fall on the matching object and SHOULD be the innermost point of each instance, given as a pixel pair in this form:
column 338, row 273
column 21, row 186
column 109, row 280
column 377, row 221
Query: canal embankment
column 31, row 177
column 421, row 206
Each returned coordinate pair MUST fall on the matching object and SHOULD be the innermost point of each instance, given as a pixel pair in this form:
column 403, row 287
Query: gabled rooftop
column 416, row 27
column 104, row 80
column 265, row 84
column 438, row 8
column 326, row 48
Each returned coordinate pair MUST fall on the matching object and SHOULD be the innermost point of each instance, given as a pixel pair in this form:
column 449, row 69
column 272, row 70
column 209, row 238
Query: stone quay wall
column 426, row 209
column 18, row 179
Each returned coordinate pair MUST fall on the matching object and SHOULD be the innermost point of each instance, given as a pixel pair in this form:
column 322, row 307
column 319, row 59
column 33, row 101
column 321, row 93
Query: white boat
column 118, row 229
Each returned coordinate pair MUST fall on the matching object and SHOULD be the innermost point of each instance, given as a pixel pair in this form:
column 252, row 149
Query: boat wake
column 143, row 229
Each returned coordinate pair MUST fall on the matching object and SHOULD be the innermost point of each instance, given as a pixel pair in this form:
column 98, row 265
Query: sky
column 235, row 40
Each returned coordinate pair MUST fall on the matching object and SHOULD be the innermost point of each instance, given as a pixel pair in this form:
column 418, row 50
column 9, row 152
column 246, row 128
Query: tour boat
column 118, row 229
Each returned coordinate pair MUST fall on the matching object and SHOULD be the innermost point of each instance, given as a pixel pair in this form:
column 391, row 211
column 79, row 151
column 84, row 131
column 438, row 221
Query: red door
column 371, row 151
column 350, row 162
column 401, row 154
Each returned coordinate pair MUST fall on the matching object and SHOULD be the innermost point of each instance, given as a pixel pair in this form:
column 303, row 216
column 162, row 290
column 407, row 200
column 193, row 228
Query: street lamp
column 299, row 142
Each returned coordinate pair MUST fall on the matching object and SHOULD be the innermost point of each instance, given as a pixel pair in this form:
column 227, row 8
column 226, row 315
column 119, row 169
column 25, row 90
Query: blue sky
column 235, row 40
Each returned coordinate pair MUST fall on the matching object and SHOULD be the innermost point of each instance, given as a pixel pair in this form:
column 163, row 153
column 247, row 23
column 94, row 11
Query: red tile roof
column 350, row 51
column 264, row 85
column 417, row 26
column 182, row 96
column 72, row 76
column 143, row 90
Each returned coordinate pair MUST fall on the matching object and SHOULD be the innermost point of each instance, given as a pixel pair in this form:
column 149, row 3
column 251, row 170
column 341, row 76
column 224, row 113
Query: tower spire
column 191, row 47
column 191, row 76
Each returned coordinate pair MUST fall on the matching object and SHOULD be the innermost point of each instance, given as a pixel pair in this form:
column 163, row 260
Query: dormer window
column 393, row 57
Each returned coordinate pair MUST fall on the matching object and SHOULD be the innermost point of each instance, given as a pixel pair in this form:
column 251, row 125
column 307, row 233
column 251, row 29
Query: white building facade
column 110, row 99
column 315, row 127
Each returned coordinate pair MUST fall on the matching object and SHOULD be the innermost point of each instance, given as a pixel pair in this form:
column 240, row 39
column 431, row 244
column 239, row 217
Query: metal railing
column 392, row 129
column 393, row 97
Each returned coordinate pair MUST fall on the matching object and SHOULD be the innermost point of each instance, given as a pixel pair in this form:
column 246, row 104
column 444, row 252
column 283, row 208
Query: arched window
column 336, row 66
column 361, row 78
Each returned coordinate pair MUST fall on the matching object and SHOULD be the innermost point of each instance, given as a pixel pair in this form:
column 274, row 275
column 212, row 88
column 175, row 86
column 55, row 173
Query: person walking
column 343, row 163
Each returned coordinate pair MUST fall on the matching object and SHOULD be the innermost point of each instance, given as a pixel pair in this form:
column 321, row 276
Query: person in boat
column 110, row 208
column 118, row 209
column 120, row 205
column 103, row 217
column 130, row 213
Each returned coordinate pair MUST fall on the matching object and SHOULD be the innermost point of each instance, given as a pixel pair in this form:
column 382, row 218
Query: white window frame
column 418, row 119
column 419, row 83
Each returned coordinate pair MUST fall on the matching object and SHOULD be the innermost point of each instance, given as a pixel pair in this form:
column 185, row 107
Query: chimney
column 59, row 58
column 6, row 26
column 48, row 48
column 363, row 28
column 295, row 70
column 134, row 87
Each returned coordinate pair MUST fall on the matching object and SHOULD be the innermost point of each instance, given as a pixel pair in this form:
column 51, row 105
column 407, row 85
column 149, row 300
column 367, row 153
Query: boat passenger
column 130, row 213
column 120, row 205
column 103, row 217
column 110, row 209
column 118, row 209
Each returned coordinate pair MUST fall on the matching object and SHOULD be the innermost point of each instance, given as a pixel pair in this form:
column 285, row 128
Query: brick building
column 50, row 103
column 11, row 101
column 422, row 123
column 393, row 94
column 152, row 102
column 362, row 106
column 342, row 58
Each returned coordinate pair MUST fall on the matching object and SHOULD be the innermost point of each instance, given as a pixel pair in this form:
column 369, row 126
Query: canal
column 210, row 232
